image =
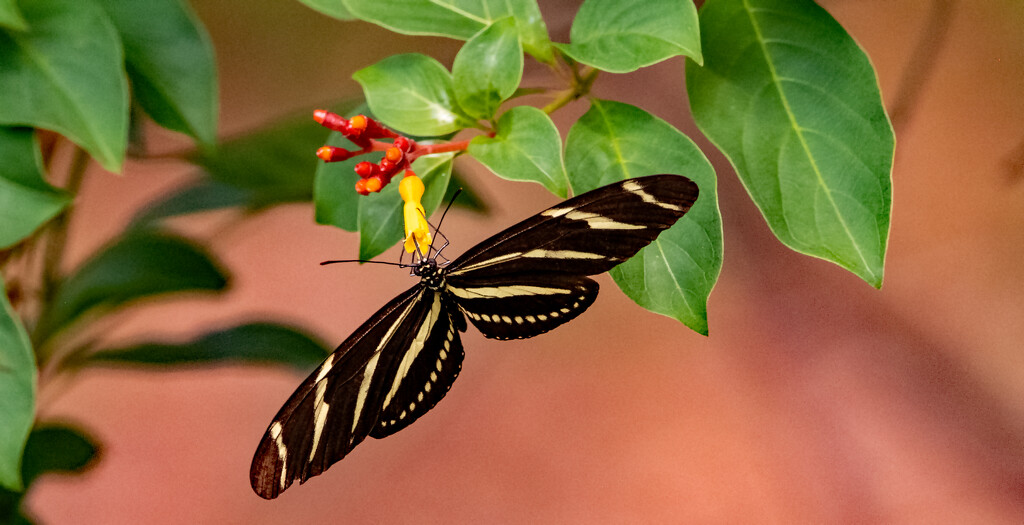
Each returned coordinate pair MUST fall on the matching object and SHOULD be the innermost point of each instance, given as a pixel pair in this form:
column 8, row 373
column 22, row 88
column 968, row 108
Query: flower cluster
column 398, row 156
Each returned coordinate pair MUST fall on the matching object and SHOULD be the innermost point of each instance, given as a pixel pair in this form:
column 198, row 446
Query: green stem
column 56, row 240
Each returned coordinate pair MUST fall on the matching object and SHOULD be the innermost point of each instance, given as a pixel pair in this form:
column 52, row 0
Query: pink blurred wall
column 816, row 399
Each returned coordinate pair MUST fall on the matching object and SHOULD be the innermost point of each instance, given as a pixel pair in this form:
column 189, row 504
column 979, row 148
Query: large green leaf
column 332, row 8
column 141, row 264
column 65, row 74
column 527, row 147
column 413, row 94
column 26, row 200
column 459, row 19
column 674, row 274
column 487, row 70
column 17, row 392
column 381, row 221
column 170, row 62
column 793, row 102
column 254, row 343
column 10, row 16
column 622, row 36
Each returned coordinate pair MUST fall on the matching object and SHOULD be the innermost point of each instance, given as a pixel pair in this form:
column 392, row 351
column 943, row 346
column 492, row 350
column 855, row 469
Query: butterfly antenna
column 437, row 229
column 399, row 264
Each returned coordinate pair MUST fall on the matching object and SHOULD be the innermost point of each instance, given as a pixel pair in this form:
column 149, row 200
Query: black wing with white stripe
column 393, row 369
column 520, row 283
column 530, row 278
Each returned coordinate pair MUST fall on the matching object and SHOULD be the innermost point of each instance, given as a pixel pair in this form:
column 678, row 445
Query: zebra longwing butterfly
column 519, row 283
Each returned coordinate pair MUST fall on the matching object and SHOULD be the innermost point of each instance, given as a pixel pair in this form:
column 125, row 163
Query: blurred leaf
column 17, row 392
column 26, row 200
column 793, row 102
column 673, row 275
column 10, row 16
column 56, row 448
column 201, row 195
column 270, row 166
column 468, row 197
column 66, row 75
column 488, row 69
column 620, row 36
column 412, row 93
column 381, row 223
column 254, row 343
column 527, row 147
column 140, row 264
column 170, row 62
column 332, row 8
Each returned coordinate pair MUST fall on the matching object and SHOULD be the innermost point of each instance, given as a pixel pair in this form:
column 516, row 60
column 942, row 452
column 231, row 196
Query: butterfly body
column 522, row 282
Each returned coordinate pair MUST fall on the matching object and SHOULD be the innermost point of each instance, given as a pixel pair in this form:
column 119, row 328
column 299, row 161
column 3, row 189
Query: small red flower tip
column 393, row 154
column 403, row 144
column 387, row 167
column 361, row 187
column 320, row 115
column 324, row 153
column 373, row 184
column 365, row 169
column 358, row 123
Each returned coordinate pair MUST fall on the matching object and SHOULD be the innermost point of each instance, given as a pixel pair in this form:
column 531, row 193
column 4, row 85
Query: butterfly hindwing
column 523, row 306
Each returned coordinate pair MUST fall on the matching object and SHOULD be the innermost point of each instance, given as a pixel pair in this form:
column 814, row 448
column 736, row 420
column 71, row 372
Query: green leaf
column 26, row 200
column 793, row 102
column 17, row 392
column 66, row 75
column 461, row 19
column 332, row 8
column 57, row 448
column 381, row 222
column 10, row 16
column 527, row 147
column 255, row 343
column 141, row 264
column 487, row 70
column 413, row 94
column 621, row 36
column 674, row 275
column 170, row 62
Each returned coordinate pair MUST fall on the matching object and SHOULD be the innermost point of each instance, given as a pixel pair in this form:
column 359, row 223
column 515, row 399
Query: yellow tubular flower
column 417, row 231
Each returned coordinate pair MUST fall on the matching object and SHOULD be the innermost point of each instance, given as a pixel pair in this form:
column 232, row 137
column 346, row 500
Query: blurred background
column 815, row 398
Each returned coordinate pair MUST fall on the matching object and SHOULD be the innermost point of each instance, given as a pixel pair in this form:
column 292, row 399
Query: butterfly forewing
column 339, row 404
column 426, row 371
column 586, row 235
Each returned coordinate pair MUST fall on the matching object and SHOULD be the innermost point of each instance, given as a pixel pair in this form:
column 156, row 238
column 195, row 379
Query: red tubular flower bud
column 331, row 120
column 375, row 131
column 373, row 184
column 333, row 154
column 403, row 144
column 393, row 154
column 358, row 124
column 361, row 187
column 366, row 169
column 387, row 167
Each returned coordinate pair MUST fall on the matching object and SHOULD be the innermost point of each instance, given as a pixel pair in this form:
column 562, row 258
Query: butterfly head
column 430, row 274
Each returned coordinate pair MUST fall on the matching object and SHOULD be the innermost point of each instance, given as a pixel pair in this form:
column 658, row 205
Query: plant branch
column 57, row 237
